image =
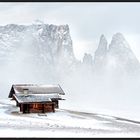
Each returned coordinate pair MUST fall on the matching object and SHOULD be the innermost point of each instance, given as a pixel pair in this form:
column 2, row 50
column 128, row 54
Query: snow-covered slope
column 62, row 123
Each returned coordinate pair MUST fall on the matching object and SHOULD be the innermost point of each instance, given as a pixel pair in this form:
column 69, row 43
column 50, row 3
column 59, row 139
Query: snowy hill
column 62, row 123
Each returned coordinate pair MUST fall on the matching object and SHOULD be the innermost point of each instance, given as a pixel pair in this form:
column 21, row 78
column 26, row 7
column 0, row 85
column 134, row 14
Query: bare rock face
column 102, row 47
column 100, row 53
column 40, row 42
column 36, row 51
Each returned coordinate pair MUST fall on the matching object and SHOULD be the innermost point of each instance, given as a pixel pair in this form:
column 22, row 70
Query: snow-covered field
column 62, row 123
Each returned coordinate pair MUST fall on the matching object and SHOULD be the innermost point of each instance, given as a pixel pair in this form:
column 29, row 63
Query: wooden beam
column 53, row 107
column 43, row 111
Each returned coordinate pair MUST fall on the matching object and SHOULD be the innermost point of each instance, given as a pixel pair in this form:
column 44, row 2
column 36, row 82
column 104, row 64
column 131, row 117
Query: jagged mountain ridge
column 46, row 42
column 117, row 56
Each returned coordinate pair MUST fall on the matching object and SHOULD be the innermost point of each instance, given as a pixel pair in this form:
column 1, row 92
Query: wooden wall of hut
column 37, row 107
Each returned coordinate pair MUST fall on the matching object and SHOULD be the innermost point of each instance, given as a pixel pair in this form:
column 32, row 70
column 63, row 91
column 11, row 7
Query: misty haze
column 102, row 88
column 43, row 54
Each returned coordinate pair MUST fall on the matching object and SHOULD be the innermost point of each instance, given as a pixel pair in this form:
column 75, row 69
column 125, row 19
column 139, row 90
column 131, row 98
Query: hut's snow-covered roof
column 36, row 89
column 39, row 89
column 31, row 98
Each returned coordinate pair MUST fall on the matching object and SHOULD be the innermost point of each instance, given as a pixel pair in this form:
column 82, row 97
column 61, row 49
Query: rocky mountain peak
column 102, row 43
column 118, row 41
column 101, row 51
column 118, row 58
column 40, row 41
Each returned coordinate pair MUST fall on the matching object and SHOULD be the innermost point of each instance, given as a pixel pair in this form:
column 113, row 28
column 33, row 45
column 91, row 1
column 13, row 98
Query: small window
column 35, row 105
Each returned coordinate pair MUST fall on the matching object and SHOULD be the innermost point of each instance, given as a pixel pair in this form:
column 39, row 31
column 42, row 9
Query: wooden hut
column 36, row 98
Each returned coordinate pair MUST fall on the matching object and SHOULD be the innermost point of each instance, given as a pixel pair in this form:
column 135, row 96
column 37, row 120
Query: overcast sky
column 87, row 21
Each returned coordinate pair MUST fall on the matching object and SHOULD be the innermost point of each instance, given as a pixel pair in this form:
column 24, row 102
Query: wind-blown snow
column 107, row 83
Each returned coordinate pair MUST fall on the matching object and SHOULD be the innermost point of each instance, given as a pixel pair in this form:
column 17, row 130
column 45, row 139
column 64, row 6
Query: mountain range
column 52, row 46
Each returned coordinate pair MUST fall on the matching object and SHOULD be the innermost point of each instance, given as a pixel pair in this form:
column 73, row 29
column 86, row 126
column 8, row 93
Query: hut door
column 25, row 108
